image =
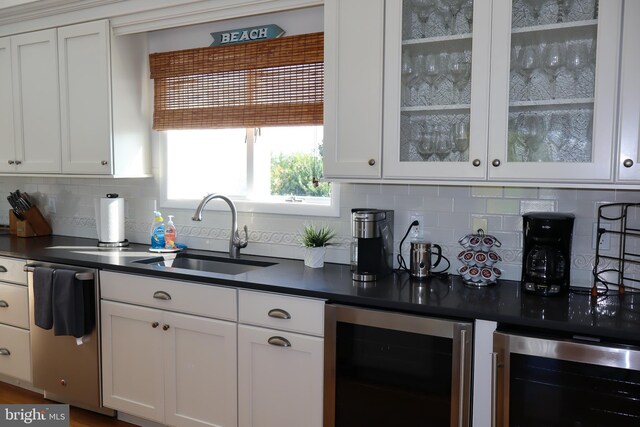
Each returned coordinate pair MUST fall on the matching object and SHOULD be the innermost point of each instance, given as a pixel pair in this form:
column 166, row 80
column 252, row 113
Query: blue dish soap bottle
column 157, row 232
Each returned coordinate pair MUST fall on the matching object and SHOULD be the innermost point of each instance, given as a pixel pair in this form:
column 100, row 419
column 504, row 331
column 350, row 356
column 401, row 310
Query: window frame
column 243, row 205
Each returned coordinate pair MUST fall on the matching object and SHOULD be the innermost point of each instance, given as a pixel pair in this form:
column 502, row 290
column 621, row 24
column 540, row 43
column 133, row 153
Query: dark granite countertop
column 611, row 318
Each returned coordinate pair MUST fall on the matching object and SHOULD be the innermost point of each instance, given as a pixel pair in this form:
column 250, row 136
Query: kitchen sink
column 207, row 263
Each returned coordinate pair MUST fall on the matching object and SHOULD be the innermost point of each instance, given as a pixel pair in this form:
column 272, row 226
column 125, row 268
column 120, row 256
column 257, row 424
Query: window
column 245, row 121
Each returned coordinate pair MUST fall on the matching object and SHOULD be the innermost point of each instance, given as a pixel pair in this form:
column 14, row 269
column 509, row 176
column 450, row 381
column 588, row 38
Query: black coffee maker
column 546, row 260
column 372, row 244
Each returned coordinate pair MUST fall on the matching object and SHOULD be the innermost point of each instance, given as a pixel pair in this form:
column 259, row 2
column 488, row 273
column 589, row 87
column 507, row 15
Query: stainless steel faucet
column 235, row 242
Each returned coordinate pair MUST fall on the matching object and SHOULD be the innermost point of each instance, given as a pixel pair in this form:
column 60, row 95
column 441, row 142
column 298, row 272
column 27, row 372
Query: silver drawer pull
column 279, row 341
column 161, row 295
column 279, row 313
column 5, row 352
column 3, row 304
column 3, row 269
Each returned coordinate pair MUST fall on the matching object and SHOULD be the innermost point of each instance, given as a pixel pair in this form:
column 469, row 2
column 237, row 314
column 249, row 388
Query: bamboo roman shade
column 275, row 82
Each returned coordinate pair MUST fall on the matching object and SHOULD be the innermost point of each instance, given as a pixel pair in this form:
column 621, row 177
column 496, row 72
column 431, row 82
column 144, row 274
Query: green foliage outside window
column 294, row 174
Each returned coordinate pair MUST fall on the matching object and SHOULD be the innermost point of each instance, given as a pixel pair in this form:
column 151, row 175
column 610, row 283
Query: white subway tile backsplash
column 448, row 213
column 487, row 191
column 537, row 206
column 503, row 206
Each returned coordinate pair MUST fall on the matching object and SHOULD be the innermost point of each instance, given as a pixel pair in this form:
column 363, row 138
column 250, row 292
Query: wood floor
column 79, row 417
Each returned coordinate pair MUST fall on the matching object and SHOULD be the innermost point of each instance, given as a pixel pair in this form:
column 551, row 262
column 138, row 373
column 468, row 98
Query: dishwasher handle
column 81, row 275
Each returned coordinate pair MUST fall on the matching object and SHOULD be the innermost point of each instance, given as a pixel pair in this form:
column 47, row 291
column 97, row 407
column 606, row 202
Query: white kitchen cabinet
column 422, row 108
column 546, row 128
column 444, row 125
column 36, row 105
column 628, row 167
column 74, row 102
column 168, row 367
column 8, row 152
column 104, row 114
column 353, row 64
column 280, row 373
column 15, row 350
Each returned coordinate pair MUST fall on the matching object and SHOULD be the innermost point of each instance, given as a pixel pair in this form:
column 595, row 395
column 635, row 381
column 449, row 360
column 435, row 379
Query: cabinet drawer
column 12, row 270
column 15, row 357
column 14, row 305
column 184, row 297
column 282, row 312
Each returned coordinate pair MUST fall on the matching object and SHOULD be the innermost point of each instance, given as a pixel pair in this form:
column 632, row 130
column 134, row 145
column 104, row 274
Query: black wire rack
column 617, row 269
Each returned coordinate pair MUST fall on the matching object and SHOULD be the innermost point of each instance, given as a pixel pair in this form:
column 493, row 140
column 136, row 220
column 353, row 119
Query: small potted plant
column 315, row 239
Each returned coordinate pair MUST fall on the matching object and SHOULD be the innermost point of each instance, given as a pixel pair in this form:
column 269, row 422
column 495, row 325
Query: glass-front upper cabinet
column 436, row 93
column 553, row 89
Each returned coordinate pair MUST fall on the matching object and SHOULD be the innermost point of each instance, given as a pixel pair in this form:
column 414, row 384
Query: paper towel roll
column 110, row 219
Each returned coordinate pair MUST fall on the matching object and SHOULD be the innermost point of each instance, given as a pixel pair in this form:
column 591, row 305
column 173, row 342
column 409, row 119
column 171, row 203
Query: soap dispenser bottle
column 170, row 234
column 157, row 232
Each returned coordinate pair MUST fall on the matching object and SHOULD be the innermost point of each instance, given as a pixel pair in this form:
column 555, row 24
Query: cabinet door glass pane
column 436, row 80
column 552, row 81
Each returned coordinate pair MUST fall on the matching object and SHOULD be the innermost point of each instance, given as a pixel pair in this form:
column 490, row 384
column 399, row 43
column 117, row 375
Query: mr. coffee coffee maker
column 372, row 244
column 546, row 259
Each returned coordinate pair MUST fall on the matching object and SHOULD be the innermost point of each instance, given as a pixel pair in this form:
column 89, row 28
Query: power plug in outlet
column 480, row 223
column 605, row 238
column 416, row 231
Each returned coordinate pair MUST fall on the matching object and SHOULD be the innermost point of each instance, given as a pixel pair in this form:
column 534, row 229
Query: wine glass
column 459, row 71
column 454, row 7
column 577, row 60
column 558, row 129
column 432, row 71
column 553, row 58
column 467, row 11
column 427, row 141
column 530, row 128
column 424, row 9
column 535, row 6
column 564, row 7
column 528, row 62
column 460, row 135
column 443, row 143
column 407, row 76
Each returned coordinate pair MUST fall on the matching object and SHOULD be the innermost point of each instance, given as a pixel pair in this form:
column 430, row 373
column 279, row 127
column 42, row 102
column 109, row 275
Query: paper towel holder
column 109, row 244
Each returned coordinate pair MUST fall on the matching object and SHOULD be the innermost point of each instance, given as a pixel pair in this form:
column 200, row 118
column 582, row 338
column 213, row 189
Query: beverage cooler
column 390, row 369
column 553, row 382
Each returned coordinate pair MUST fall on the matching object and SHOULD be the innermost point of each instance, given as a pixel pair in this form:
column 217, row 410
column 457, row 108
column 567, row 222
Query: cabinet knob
column 279, row 313
column 279, row 341
column 5, row 352
column 496, row 162
column 18, row 162
column 155, row 324
column 63, row 383
column 3, row 304
column 11, row 162
column 165, row 327
column 627, row 163
column 161, row 295
column 372, row 162
column 476, row 162
column 104, row 163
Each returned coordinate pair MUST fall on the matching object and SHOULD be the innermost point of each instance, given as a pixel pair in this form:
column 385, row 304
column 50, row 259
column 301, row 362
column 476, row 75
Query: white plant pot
column 314, row 257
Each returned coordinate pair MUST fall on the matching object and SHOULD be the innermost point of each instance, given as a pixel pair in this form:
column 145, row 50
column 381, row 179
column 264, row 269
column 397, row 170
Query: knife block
column 33, row 224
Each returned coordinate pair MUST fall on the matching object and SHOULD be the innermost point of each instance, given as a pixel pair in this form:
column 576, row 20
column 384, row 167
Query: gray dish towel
column 42, row 297
column 73, row 305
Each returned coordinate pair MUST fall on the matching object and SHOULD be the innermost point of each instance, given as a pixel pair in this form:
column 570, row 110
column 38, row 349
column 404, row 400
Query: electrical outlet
column 416, row 232
column 605, row 238
column 480, row 223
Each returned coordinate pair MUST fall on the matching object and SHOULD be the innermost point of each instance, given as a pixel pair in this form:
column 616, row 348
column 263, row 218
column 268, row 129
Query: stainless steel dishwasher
column 390, row 369
column 66, row 371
